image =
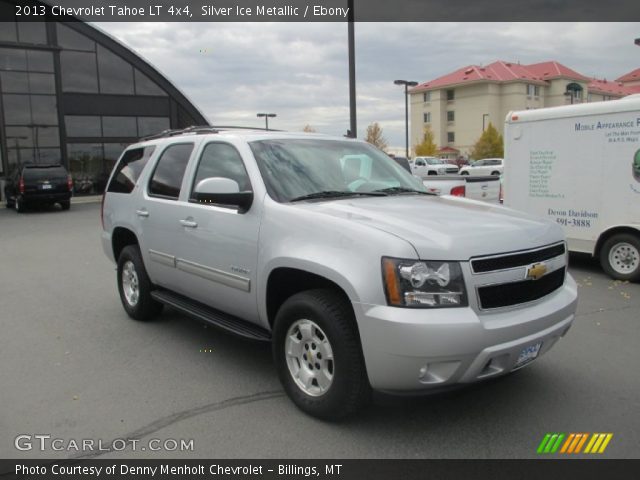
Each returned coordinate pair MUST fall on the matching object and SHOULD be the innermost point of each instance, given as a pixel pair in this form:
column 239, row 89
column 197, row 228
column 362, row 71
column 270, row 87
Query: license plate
column 528, row 355
column 46, row 187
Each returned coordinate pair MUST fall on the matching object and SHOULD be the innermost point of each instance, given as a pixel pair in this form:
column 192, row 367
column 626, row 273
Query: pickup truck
column 325, row 247
column 486, row 189
column 432, row 166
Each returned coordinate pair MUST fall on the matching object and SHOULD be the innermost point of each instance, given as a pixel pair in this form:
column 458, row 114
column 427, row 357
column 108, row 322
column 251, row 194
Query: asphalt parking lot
column 74, row 366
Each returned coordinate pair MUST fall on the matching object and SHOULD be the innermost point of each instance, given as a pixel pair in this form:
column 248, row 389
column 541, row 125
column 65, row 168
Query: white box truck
column 579, row 165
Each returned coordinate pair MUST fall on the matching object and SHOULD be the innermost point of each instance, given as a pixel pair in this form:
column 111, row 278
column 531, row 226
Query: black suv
column 38, row 184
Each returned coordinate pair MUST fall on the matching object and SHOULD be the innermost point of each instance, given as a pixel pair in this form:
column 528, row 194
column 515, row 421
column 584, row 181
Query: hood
column 443, row 228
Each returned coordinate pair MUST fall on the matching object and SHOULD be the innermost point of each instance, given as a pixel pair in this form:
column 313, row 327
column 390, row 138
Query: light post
column 484, row 116
column 407, row 84
column 266, row 116
column 637, row 41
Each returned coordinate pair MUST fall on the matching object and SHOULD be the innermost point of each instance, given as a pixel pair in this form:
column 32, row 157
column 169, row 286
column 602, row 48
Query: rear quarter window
column 42, row 173
column 129, row 168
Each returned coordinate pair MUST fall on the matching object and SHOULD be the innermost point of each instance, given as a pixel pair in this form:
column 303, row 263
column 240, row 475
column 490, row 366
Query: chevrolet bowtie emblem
column 536, row 271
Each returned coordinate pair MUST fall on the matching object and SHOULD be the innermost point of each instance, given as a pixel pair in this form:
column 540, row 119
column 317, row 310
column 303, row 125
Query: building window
column 451, row 116
column 152, row 125
column 145, row 86
column 119, row 127
column 426, row 117
column 451, row 94
column 116, row 75
column 79, row 72
column 451, row 137
column 32, row 32
column 72, row 40
column 8, row 32
column 426, row 96
column 533, row 90
column 83, row 126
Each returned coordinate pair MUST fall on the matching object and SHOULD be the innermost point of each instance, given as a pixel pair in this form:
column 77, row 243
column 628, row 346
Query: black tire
column 349, row 390
column 145, row 308
column 19, row 205
column 431, row 172
column 624, row 243
column 496, row 173
column 66, row 205
column 464, row 173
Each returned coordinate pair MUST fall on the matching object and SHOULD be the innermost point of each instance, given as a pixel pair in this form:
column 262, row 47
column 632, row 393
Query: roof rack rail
column 235, row 127
column 197, row 129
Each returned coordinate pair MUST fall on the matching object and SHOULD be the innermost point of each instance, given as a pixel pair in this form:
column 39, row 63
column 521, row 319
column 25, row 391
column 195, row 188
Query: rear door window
column 167, row 176
column 129, row 169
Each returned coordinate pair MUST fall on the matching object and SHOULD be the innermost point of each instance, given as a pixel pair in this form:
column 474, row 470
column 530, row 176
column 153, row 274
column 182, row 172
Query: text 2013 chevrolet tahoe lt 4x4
column 338, row 256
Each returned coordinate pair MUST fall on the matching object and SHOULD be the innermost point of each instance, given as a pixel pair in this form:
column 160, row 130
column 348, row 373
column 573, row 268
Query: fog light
column 423, row 372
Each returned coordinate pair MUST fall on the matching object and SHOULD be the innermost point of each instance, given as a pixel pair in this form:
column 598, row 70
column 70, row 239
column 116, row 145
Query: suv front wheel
column 317, row 353
column 134, row 285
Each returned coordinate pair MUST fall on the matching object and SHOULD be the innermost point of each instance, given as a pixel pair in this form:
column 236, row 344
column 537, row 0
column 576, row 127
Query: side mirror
column 223, row 191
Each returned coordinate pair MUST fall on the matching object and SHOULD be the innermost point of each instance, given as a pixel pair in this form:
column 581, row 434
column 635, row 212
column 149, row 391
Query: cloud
column 299, row 71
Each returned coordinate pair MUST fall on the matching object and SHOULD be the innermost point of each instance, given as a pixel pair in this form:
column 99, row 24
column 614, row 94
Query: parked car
column 38, row 184
column 433, row 166
column 486, row 166
column 403, row 162
column 331, row 251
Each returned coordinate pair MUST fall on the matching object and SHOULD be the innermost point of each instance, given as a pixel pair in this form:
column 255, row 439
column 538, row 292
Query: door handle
column 188, row 223
column 142, row 213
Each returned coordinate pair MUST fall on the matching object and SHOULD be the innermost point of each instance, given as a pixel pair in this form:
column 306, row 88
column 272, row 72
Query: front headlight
column 423, row 284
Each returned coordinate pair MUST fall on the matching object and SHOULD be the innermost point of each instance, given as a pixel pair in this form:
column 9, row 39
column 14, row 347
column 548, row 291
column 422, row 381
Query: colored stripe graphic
column 572, row 443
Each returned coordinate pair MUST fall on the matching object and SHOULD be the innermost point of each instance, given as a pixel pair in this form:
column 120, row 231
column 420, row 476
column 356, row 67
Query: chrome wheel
column 624, row 258
column 130, row 286
column 309, row 357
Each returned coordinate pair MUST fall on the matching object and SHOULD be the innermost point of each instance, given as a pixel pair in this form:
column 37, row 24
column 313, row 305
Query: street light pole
column 484, row 116
column 353, row 127
column 637, row 41
column 266, row 116
column 407, row 84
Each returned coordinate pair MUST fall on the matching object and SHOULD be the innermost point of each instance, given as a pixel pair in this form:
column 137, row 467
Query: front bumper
column 420, row 349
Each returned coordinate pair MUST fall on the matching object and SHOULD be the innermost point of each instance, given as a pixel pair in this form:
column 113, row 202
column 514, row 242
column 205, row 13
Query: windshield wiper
column 401, row 190
column 337, row 193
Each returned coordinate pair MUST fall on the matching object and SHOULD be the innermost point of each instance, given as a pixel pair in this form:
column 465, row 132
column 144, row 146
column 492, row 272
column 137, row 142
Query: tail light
column 459, row 191
column 69, row 183
column 21, row 184
column 102, row 210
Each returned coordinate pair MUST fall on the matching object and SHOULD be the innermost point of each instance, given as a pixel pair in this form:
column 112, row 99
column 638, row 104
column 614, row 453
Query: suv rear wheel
column 134, row 285
column 317, row 352
column 66, row 204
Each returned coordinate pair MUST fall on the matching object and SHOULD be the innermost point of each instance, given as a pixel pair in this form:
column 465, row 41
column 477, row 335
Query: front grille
column 452, row 170
column 507, row 294
column 516, row 259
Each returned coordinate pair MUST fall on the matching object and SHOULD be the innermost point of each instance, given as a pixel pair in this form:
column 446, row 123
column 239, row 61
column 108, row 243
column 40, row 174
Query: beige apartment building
column 459, row 106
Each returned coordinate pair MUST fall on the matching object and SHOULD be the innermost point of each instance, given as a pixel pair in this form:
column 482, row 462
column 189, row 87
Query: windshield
column 297, row 168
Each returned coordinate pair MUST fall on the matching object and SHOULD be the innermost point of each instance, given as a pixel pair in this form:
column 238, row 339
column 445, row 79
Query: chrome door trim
column 214, row 275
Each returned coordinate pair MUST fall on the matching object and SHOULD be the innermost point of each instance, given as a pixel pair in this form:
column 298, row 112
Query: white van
column 579, row 165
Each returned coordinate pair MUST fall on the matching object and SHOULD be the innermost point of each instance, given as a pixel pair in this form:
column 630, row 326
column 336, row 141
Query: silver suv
column 338, row 256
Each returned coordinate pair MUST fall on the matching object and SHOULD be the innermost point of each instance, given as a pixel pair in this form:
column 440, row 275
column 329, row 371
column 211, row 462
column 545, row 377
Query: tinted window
column 44, row 109
column 119, row 127
column 129, row 168
column 167, row 177
column 116, row 75
column 151, row 125
column 83, row 126
column 39, row 61
column 221, row 160
column 8, row 32
column 41, row 83
column 73, row 40
column 16, row 109
column 39, row 173
column 12, row 59
column 14, row 82
column 79, row 72
column 145, row 86
column 32, row 32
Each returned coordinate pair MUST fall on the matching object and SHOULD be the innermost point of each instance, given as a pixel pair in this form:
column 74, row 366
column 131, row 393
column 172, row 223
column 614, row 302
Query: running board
column 211, row 316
